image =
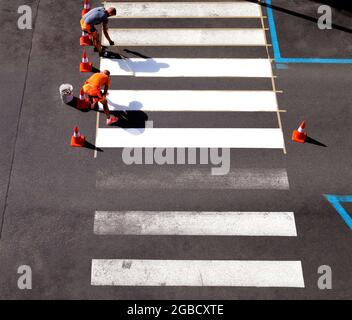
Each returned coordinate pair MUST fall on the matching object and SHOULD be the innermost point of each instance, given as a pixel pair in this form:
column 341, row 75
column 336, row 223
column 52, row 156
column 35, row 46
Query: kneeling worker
column 91, row 19
column 93, row 86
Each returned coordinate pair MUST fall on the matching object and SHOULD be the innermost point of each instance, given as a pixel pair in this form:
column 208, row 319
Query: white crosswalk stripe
column 192, row 100
column 195, row 223
column 213, row 10
column 202, row 273
column 167, row 272
column 246, row 138
column 186, row 37
column 177, row 67
column 193, row 179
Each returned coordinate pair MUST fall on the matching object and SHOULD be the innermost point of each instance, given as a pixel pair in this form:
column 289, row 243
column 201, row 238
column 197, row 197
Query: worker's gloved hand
column 111, row 43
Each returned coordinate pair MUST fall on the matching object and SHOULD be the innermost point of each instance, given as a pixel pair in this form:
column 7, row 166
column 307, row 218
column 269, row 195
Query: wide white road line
column 198, row 223
column 182, row 100
column 191, row 138
column 193, row 179
column 186, row 37
column 183, row 67
column 184, row 9
column 202, row 273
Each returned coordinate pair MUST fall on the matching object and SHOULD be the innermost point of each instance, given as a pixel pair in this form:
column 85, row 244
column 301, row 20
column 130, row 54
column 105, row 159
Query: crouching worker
column 91, row 19
column 92, row 88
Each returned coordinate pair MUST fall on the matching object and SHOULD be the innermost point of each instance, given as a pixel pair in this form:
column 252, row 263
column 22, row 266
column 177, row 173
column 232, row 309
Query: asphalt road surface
column 91, row 226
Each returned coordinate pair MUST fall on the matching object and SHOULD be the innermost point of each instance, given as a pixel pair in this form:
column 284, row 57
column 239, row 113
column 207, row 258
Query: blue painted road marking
column 336, row 203
column 276, row 48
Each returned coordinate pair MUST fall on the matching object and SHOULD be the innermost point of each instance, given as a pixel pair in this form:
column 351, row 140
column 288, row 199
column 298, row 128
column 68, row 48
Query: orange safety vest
column 93, row 85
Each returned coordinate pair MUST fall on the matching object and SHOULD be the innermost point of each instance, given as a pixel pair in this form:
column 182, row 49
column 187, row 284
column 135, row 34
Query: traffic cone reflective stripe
column 300, row 135
column 86, row 4
column 77, row 140
column 76, row 133
column 302, row 127
column 85, row 65
column 81, row 94
column 86, row 7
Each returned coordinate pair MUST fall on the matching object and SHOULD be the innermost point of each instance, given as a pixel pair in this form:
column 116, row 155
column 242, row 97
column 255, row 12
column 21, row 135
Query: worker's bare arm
column 106, row 34
column 106, row 88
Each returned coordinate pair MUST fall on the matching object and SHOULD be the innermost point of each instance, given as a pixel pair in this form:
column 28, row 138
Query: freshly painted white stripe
column 182, row 100
column 203, row 273
column 200, row 223
column 185, row 9
column 187, row 37
column 191, row 138
column 179, row 67
column 186, row 178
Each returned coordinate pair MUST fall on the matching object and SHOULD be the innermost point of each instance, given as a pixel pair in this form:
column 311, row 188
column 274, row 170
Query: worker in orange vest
column 94, row 17
column 93, row 89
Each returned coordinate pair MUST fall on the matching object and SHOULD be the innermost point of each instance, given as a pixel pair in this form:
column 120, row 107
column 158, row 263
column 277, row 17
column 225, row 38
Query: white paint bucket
column 66, row 92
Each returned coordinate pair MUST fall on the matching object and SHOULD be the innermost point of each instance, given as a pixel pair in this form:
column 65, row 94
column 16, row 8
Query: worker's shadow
column 131, row 118
column 148, row 65
column 144, row 66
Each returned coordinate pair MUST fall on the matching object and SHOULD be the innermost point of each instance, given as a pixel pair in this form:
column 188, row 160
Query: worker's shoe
column 112, row 120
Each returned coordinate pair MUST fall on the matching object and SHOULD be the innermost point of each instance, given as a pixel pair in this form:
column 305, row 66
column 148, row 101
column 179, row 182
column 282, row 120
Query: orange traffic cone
column 300, row 135
column 82, row 103
column 86, row 7
column 77, row 140
column 85, row 40
column 85, row 65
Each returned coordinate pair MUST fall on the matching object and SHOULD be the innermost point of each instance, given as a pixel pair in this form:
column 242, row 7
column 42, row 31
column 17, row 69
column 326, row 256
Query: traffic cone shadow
column 91, row 146
column 95, row 70
column 315, row 142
